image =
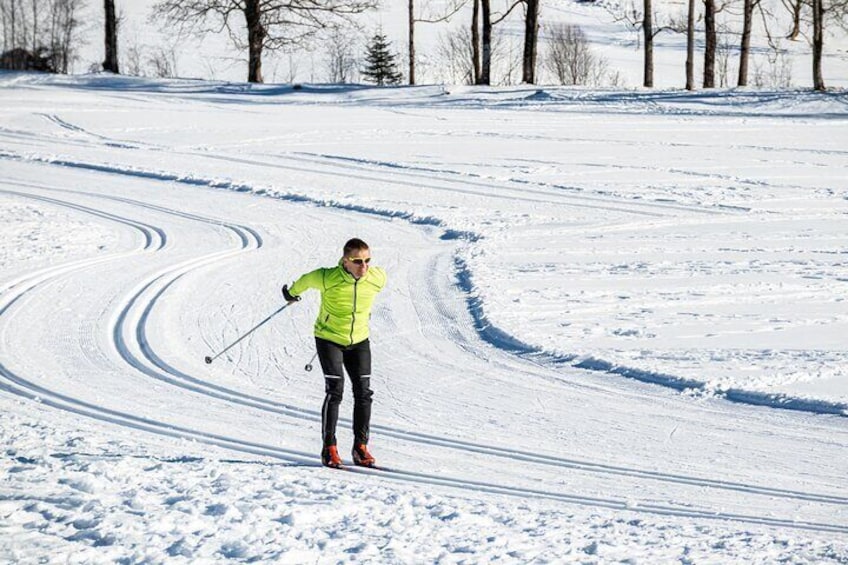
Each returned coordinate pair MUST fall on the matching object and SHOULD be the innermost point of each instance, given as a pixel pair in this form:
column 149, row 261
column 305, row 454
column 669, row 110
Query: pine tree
column 381, row 64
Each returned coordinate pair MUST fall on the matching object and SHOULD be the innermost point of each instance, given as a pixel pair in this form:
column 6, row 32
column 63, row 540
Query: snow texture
column 613, row 331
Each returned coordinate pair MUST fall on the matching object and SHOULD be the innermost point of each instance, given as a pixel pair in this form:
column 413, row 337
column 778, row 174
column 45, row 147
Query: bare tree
column 780, row 67
column 62, row 32
column 292, row 68
column 642, row 19
column 163, row 62
column 773, row 69
column 711, row 9
column 648, row 32
column 825, row 13
column 455, row 52
column 455, row 55
column 818, row 44
column 531, row 40
column 270, row 24
column 449, row 10
column 488, row 21
column 483, row 17
column 110, row 62
column 9, row 21
column 723, row 51
column 486, row 43
column 40, row 35
column 340, row 57
column 710, row 43
column 133, row 55
column 795, row 8
column 411, row 40
column 745, row 45
column 475, row 41
column 690, row 46
column 34, row 26
column 570, row 58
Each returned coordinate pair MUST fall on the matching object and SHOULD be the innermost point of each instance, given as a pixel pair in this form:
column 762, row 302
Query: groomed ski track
column 462, row 461
column 120, row 339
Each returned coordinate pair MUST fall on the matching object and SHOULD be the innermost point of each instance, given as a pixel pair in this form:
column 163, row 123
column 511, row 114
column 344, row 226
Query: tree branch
column 496, row 21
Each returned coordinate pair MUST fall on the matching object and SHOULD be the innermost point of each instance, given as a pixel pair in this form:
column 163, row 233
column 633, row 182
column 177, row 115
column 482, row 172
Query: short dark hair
column 354, row 244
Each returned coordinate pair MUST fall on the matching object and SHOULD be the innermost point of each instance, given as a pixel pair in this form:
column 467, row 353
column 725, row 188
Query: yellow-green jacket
column 345, row 302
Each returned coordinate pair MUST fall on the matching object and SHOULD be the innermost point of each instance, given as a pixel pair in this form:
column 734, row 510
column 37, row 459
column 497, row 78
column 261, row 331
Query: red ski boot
column 362, row 457
column 330, row 457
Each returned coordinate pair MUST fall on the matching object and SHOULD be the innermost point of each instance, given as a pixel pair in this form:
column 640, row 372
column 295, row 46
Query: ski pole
column 309, row 365
column 250, row 331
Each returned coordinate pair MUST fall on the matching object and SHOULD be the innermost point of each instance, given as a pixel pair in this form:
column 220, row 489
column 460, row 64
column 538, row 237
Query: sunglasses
column 359, row 261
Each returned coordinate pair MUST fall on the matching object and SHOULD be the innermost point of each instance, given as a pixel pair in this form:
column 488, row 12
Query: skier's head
column 355, row 257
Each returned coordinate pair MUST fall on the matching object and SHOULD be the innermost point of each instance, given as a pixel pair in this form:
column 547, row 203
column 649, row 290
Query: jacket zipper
column 353, row 314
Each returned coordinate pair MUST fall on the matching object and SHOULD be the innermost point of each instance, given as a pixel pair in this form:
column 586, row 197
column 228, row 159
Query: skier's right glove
column 289, row 296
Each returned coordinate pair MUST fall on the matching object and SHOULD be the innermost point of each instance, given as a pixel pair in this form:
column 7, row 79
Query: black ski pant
column 356, row 360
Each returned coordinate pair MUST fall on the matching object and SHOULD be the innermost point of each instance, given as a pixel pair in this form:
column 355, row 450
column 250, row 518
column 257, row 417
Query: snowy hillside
column 613, row 328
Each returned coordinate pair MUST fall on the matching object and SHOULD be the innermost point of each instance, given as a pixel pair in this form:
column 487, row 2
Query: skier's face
column 356, row 262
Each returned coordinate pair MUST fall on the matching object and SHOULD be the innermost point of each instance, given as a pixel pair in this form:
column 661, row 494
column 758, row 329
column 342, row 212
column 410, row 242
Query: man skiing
column 342, row 342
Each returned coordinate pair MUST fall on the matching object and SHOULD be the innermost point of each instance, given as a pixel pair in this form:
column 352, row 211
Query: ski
column 355, row 468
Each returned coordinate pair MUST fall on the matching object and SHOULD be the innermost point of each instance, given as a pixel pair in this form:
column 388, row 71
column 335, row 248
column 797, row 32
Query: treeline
column 45, row 35
column 39, row 35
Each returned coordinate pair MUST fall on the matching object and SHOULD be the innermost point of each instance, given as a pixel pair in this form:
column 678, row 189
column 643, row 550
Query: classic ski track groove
column 235, row 396
column 467, row 186
column 444, row 175
column 154, row 240
column 546, row 194
column 21, row 387
column 168, row 276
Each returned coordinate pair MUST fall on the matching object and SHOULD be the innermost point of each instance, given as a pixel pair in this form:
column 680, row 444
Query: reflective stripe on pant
column 356, row 360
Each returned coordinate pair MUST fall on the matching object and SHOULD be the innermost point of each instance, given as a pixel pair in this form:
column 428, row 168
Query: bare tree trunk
column 475, row 40
column 797, row 6
column 67, row 37
column 531, row 40
column 12, row 25
column 486, row 63
column 255, row 39
column 4, row 26
column 745, row 46
column 818, row 44
column 110, row 63
column 690, row 47
column 710, row 43
column 64, row 25
column 11, row 38
column 411, row 41
column 17, row 36
column 648, row 30
column 35, row 19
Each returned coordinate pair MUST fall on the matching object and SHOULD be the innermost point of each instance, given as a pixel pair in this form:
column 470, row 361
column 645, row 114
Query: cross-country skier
column 342, row 341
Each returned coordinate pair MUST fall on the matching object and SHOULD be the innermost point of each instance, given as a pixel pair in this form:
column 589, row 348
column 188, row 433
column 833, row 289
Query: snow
column 613, row 329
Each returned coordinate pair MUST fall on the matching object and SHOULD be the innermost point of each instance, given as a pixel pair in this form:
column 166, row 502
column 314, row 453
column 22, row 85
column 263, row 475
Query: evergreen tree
column 381, row 64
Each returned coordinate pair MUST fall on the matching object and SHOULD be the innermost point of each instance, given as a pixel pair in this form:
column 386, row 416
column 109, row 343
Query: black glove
column 288, row 296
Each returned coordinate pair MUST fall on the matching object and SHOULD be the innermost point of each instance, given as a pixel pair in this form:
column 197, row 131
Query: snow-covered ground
column 614, row 328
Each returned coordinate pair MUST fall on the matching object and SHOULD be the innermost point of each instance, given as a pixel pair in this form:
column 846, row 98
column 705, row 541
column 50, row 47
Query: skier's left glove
column 289, row 296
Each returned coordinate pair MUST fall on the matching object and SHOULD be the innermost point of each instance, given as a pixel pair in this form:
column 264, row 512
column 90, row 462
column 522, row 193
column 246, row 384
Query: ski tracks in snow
column 135, row 308
column 131, row 343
